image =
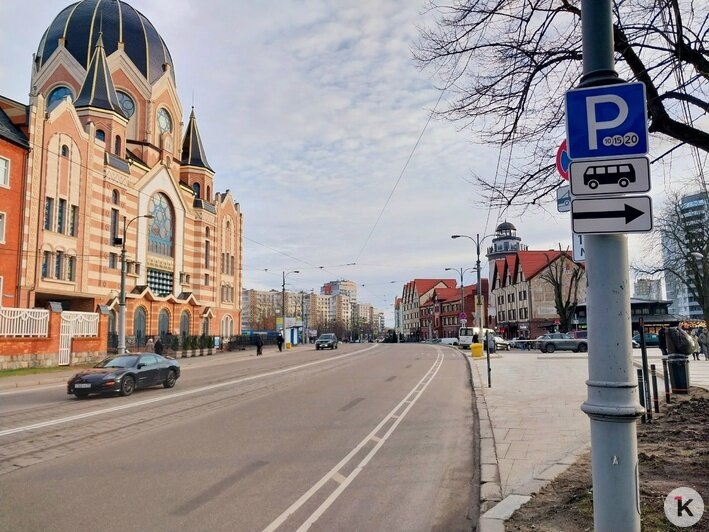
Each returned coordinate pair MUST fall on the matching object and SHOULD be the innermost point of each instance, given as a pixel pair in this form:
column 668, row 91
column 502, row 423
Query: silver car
column 548, row 343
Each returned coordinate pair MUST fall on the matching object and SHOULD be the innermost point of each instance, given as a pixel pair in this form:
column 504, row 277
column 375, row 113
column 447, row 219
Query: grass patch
column 19, row 372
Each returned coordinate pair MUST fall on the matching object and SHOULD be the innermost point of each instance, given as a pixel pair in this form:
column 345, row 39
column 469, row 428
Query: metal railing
column 24, row 322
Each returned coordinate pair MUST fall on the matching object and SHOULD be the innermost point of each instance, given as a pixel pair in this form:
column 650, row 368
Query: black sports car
column 124, row 373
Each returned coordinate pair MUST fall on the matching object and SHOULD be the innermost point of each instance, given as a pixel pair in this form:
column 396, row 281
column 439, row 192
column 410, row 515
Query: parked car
column 501, row 344
column 326, row 340
column 548, row 343
column 124, row 374
column 651, row 339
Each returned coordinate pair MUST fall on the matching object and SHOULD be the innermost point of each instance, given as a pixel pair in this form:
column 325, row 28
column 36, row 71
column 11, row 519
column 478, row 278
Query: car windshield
column 118, row 362
column 327, row 336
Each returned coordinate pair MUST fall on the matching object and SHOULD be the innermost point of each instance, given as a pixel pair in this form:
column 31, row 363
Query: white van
column 466, row 334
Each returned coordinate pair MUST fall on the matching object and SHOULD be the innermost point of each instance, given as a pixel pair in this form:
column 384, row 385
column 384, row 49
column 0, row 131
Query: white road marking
column 339, row 477
column 172, row 396
column 427, row 378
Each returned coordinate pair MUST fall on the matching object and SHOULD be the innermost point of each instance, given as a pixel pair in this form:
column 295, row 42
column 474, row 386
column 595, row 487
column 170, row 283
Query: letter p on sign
column 595, row 125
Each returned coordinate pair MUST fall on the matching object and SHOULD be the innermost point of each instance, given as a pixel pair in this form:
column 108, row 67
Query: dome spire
column 98, row 89
column 192, row 149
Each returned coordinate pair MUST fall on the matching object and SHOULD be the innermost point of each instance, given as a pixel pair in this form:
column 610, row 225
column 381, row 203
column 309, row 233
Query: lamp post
column 283, row 297
column 479, row 300
column 122, row 296
column 461, row 271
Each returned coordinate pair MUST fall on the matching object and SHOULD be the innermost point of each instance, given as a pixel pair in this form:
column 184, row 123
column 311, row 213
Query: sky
column 316, row 118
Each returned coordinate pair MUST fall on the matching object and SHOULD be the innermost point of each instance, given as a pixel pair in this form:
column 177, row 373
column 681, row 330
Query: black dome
column 505, row 226
column 81, row 23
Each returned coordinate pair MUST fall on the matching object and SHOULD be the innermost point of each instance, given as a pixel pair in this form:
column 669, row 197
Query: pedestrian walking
column 695, row 345
column 279, row 341
column 158, row 347
column 259, row 345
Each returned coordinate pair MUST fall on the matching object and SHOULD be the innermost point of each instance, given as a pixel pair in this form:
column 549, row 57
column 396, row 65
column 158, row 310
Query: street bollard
column 641, row 393
column 656, row 399
column 667, row 381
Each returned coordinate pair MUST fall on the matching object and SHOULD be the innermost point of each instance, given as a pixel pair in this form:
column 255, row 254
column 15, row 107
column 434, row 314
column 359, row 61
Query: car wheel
column 171, row 379
column 550, row 348
column 593, row 185
column 81, row 395
column 623, row 182
column 127, row 386
column 583, row 348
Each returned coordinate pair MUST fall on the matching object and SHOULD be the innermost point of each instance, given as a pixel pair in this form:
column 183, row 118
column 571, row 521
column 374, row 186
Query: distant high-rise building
column 648, row 289
column 694, row 209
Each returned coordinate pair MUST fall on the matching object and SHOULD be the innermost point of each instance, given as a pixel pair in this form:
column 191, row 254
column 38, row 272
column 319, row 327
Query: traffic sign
column 563, row 199
column 625, row 214
column 607, row 121
column 563, row 160
column 579, row 248
column 610, row 176
column 462, row 315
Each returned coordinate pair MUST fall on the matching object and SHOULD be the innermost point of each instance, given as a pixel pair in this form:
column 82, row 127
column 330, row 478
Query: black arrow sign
column 630, row 213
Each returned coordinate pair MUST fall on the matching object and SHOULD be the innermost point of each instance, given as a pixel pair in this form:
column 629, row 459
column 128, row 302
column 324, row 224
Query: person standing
column 279, row 341
column 704, row 342
column 662, row 339
column 259, row 345
column 158, row 347
column 150, row 345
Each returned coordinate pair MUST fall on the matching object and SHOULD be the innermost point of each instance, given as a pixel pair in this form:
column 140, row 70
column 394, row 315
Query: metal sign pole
column 612, row 402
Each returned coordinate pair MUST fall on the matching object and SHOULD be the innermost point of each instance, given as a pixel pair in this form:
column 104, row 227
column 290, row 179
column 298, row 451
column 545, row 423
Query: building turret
column 195, row 170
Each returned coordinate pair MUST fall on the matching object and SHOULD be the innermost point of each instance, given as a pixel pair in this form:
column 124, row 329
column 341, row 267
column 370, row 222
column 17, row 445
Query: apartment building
column 525, row 301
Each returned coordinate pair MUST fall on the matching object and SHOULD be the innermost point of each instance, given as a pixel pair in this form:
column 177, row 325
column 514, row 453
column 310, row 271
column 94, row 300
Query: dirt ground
column 673, row 451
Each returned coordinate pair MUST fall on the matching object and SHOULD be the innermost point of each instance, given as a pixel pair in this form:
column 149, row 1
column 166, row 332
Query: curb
column 494, row 508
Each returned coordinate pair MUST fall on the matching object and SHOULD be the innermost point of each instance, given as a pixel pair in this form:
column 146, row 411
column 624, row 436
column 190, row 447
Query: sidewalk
column 531, row 424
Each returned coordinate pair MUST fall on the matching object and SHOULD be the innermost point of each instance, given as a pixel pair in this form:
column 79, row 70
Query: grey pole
column 612, row 404
column 121, row 348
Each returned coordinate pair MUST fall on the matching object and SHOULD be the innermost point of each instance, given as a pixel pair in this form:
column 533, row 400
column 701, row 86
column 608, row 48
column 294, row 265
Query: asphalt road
column 367, row 437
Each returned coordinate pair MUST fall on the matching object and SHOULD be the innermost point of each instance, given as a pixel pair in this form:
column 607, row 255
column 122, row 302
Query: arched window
column 139, row 322
column 161, row 237
column 163, row 322
column 65, row 150
column 126, row 102
column 115, row 197
column 58, row 95
column 184, row 324
column 206, row 232
column 196, row 190
column 117, row 149
column 227, row 326
column 101, row 135
column 206, row 326
column 208, row 197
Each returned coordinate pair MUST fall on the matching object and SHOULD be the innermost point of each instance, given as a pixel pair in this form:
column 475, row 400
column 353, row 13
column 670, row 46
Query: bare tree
column 564, row 275
column 507, row 64
column 682, row 236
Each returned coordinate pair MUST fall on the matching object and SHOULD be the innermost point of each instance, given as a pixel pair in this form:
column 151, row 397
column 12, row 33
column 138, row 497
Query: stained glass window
column 161, row 237
column 58, row 95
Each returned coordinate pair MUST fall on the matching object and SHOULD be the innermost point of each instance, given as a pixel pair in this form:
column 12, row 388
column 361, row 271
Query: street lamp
column 461, row 271
column 477, row 241
column 283, row 297
column 478, row 301
column 122, row 296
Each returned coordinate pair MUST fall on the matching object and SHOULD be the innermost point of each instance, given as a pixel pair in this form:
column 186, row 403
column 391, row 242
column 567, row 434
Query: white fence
column 82, row 323
column 24, row 322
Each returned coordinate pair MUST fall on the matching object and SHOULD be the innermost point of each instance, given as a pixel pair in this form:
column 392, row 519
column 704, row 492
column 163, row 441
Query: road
column 367, row 437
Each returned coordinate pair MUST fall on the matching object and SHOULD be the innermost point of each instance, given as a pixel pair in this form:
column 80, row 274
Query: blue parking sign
column 607, row 121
